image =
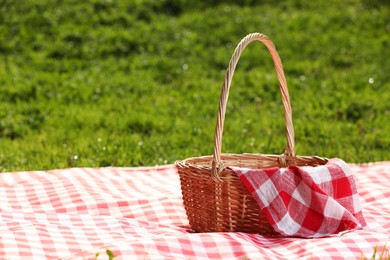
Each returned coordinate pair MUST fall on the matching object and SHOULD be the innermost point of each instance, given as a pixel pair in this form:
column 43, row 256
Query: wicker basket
column 214, row 198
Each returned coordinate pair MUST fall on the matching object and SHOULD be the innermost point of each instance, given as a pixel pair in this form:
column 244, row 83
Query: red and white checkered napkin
column 306, row 201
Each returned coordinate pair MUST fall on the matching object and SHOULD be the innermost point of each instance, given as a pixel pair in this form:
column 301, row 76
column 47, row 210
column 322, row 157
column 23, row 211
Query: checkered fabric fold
column 306, row 201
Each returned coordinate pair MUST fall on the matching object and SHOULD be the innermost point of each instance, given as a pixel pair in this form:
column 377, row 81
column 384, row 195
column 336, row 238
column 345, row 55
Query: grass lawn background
column 131, row 83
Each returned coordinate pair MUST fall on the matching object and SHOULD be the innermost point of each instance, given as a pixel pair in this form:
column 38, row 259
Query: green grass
column 380, row 253
column 131, row 83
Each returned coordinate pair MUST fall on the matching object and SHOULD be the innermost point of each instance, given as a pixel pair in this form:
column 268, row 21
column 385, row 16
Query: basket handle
column 290, row 150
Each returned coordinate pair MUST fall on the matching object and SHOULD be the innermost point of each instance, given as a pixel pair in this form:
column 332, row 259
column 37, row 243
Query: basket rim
column 281, row 161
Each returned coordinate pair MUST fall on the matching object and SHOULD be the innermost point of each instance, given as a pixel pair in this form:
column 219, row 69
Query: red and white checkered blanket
column 306, row 201
column 137, row 213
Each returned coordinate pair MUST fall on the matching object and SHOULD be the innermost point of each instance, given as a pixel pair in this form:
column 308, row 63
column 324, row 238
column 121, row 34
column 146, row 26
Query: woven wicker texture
column 214, row 197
